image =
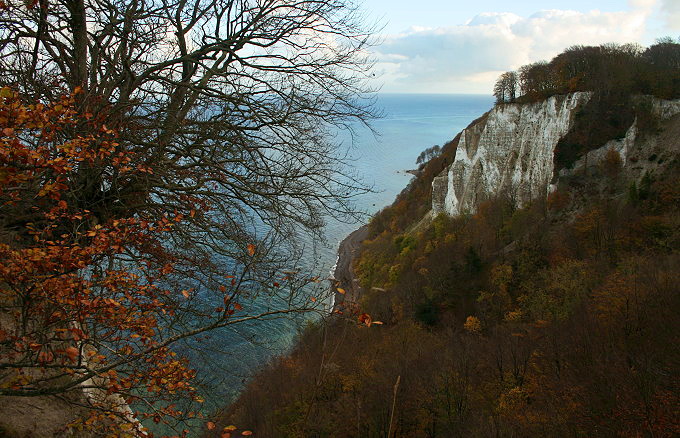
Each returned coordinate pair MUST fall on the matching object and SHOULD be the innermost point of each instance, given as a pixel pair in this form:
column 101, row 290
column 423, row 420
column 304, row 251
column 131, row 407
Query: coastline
column 344, row 274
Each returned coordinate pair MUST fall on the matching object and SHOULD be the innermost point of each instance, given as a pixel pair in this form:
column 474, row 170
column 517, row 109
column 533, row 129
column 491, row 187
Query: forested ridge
column 555, row 319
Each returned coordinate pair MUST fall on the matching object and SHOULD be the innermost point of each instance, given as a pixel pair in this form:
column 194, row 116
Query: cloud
column 671, row 14
column 469, row 57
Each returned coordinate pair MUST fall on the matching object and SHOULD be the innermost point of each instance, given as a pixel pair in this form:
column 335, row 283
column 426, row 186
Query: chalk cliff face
column 511, row 149
column 633, row 148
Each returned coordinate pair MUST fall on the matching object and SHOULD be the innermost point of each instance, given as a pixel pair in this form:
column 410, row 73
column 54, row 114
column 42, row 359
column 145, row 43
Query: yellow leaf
column 341, row 290
column 230, row 428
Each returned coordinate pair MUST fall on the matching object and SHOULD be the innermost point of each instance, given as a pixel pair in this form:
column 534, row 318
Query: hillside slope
column 526, row 281
column 549, row 319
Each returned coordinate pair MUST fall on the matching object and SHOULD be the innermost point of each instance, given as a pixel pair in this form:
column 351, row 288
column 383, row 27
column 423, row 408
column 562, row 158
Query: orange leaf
column 185, row 293
column 365, row 318
column 72, row 353
column 211, row 425
column 378, row 322
column 237, row 306
column 246, row 433
column 313, row 299
column 341, row 290
column 251, row 249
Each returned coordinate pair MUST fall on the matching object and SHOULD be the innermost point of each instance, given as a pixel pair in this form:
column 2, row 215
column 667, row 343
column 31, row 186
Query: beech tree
column 229, row 101
column 192, row 148
column 505, row 89
column 90, row 310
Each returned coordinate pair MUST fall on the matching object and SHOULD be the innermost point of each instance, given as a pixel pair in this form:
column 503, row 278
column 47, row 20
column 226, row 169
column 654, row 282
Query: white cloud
column 469, row 57
column 671, row 14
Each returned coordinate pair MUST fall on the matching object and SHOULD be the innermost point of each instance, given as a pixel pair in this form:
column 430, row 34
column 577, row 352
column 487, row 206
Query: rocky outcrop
column 511, row 151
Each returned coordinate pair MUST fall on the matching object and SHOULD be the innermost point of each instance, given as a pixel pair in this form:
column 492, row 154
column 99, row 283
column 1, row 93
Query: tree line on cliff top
column 623, row 69
column 157, row 160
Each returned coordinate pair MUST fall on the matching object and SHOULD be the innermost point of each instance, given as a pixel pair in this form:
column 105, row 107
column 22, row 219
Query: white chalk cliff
column 511, row 149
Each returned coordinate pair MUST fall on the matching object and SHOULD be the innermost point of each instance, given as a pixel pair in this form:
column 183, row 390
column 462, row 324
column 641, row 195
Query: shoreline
column 343, row 275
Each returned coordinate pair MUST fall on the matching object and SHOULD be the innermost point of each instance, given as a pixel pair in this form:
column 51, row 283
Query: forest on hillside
column 558, row 318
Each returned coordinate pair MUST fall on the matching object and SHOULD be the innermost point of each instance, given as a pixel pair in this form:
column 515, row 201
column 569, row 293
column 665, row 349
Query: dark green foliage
column 473, row 263
column 404, row 242
column 427, row 312
column 604, row 117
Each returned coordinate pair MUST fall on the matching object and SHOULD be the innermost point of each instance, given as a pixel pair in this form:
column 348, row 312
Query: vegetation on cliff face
column 555, row 319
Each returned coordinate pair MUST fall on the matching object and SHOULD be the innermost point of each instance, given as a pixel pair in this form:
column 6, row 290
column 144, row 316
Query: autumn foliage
column 554, row 319
column 83, row 307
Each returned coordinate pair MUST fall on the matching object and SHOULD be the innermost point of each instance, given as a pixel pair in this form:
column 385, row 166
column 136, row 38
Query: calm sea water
column 411, row 123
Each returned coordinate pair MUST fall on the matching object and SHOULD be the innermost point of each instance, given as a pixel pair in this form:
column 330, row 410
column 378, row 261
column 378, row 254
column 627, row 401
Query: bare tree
column 243, row 90
column 505, row 88
column 228, row 108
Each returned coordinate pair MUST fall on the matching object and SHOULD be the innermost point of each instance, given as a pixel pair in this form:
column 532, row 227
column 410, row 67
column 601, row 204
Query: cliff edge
column 511, row 151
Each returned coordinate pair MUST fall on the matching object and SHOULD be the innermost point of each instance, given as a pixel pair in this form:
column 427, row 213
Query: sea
column 410, row 124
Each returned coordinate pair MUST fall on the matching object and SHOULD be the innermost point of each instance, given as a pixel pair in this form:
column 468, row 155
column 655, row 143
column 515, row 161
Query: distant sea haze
column 411, row 123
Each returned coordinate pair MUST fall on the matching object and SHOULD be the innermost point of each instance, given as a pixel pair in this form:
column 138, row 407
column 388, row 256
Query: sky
column 462, row 46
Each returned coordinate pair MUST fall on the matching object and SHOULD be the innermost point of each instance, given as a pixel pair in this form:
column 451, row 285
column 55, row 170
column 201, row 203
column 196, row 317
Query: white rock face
column 511, row 150
column 661, row 109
